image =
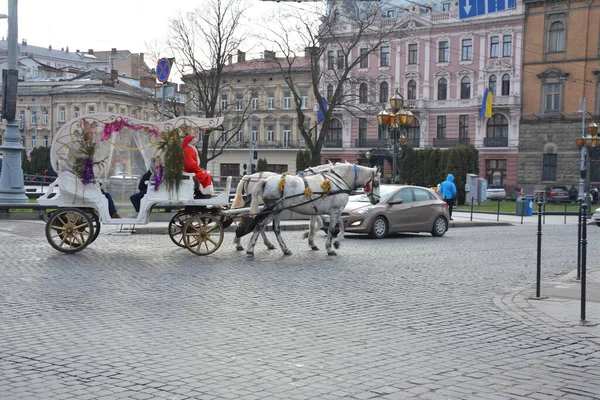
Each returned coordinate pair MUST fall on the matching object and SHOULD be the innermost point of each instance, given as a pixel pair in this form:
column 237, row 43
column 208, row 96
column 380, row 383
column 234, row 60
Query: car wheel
column 440, row 226
column 379, row 229
column 598, row 223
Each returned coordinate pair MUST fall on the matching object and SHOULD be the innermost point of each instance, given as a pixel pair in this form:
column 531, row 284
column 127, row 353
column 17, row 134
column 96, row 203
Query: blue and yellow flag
column 486, row 104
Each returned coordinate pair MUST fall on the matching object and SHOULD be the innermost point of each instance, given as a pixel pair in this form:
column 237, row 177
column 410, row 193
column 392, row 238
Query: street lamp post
column 586, row 143
column 397, row 117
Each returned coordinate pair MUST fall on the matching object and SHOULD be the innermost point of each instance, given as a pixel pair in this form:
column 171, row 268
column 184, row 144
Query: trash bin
column 529, row 207
column 521, row 205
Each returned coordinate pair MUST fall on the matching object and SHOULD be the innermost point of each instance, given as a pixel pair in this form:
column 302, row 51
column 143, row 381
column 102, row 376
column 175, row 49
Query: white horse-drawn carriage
column 103, row 148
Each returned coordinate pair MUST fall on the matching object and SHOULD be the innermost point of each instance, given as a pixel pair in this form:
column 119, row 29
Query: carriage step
column 124, row 229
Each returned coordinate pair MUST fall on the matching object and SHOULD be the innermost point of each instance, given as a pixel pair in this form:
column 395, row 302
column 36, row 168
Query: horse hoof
column 331, row 253
column 314, row 248
column 239, row 248
column 336, row 244
column 287, row 253
column 250, row 253
column 304, row 235
column 271, row 247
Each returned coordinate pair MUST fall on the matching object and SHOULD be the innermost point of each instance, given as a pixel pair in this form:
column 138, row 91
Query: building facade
column 561, row 90
column 441, row 66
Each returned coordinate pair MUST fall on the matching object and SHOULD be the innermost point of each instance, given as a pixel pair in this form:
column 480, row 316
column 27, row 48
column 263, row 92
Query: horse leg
column 277, row 231
column 340, row 235
column 238, row 243
column 316, row 222
column 335, row 220
column 266, row 241
column 260, row 228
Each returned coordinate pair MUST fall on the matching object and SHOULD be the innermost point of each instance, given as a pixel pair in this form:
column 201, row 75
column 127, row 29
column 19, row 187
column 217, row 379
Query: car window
column 422, row 195
column 406, row 195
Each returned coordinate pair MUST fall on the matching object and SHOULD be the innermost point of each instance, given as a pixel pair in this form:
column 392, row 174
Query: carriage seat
column 185, row 193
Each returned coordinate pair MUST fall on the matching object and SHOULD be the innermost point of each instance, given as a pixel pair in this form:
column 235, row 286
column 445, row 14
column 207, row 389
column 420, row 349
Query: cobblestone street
column 412, row 316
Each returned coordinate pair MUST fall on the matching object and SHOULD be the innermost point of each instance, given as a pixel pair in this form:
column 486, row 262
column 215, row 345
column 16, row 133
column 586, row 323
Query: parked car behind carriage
column 558, row 194
column 496, row 192
column 402, row 209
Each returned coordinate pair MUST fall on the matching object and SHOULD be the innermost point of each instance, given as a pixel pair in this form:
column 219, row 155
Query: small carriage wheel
column 176, row 227
column 96, row 223
column 69, row 230
column 203, row 234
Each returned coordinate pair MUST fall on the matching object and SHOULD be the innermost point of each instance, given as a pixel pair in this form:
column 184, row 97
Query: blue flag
column 320, row 116
column 486, row 104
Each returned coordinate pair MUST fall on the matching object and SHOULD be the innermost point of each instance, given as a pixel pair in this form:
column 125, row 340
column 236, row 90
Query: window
column 34, row 118
column 505, row 85
column 364, row 60
column 340, row 59
column 412, row 53
column 412, row 90
column 384, row 92
column 239, row 101
column 443, row 51
column 287, row 136
column 497, row 131
column 335, row 131
column 384, row 58
column 463, row 127
column 467, row 50
column 336, row 15
column 362, row 128
column 446, row 7
column 255, row 100
column 45, row 118
column 494, row 46
column 441, row 127
column 270, row 133
column 45, row 141
column 330, row 59
column 286, row 100
column 549, row 162
column 329, row 92
column 111, row 109
column 34, row 141
column 492, row 84
column 240, row 136
column 76, row 112
column 390, row 14
column 496, row 172
column 556, row 37
column 122, row 111
column 271, row 100
column 230, row 169
column 506, row 46
column 223, row 102
column 381, row 132
column 254, row 133
column 465, row 88
column 442, row 89
column 552, row 97
column 363, row 93
column 304, row 99
column 91, row 109
column 62, row 114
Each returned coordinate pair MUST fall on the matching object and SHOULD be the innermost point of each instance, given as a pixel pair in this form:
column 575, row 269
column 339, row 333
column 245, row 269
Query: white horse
column 326, row 192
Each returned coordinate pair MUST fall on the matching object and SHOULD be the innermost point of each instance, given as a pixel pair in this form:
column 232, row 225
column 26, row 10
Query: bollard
column 579, row 224
column 472, row 200
column 565, row 214
column 498, row 212
column 538, row 287
column 583, row 263
column 522, row 213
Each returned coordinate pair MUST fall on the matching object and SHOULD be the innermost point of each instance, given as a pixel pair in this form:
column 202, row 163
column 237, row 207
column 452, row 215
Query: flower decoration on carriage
column 119, row 124
column 158, row 170
column 169, row 145
column 86, row 144
column 326, row 186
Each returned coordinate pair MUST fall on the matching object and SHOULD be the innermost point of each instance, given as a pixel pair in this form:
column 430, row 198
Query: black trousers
column 450, row 206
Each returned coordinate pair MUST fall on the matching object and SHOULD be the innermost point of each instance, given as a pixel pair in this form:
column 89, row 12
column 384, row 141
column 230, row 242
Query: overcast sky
column 102, row 25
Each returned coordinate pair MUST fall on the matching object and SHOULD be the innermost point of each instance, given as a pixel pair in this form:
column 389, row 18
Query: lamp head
column 384, row 117
column 592, row 129
column 368, row 155
column 396, row 101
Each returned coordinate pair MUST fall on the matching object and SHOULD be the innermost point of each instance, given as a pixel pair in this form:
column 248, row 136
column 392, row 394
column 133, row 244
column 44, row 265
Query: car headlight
column 364, row 210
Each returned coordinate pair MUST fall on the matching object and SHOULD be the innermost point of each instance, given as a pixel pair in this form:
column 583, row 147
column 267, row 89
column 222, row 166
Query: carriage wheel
column 203, row 234
column 69, row 230
column 176, row 227
column 96, row 224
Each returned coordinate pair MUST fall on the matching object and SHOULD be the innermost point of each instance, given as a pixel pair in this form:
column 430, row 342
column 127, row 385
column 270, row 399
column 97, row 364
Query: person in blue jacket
column 448, row 192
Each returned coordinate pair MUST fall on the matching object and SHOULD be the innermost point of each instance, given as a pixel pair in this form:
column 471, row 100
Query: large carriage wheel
column 69, row 230
column 95, row 223
column 176, row 227
column 203, row 234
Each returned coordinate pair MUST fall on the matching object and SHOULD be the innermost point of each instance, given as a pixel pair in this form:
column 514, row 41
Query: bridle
column 370, row 187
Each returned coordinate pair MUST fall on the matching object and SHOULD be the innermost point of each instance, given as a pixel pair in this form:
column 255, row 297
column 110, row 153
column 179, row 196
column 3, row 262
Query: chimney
column 229, row 58
column 113, row 51
column 269, row 55
column 49, row 47
column 24, row 43
column 77, row 51
column 241, row 56
column 91, row 51
column 114, row 75
column 147, row 81
column 67, row 49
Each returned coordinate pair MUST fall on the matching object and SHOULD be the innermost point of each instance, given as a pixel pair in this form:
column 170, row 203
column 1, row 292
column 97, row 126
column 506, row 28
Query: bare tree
column 336, row 43
column 202, row 41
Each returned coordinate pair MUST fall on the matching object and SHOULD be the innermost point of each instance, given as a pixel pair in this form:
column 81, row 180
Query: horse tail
column 257, row 196
column 238, row 202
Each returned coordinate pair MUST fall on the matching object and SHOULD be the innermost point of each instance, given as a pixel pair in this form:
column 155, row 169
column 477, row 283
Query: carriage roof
column 118, row 145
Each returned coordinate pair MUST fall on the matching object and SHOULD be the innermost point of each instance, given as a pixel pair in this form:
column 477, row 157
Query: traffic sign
column 474, row 8
column 163, row 69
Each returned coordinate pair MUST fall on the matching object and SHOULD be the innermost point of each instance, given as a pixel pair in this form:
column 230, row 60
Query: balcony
column 332, row 143
column 495, row 142
column 445, row 143
column 371, row 143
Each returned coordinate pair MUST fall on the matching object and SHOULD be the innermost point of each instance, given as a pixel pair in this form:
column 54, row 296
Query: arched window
column 413, row 133
column 505, row 85
column 497, row 131
column 556, row 40
column 384, row 92
column 329, row 92
column 412, row 90
column 442, row 89
column 362, row 93
column 465, row 88
column 335, row 131
column 492, row 84
column 336, row 15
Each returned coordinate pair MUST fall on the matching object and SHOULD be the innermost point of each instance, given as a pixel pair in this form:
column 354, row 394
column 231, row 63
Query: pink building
column 441, row 66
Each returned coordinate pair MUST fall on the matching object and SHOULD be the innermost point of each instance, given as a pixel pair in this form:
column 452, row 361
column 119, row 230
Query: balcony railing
column 332, row 143
column 414, row 142
column 260, row 145
column 495, row 142
column 450, row 142
column 371, row 143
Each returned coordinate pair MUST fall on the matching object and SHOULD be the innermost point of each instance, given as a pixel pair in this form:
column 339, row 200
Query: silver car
column 401, row 209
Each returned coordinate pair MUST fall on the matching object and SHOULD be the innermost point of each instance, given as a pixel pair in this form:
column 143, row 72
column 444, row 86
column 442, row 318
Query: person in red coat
column 191, row 164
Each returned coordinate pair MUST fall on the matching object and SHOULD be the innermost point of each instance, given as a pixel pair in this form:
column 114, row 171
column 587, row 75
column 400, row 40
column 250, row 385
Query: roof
column 267, row 65
column 45, row 52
